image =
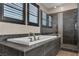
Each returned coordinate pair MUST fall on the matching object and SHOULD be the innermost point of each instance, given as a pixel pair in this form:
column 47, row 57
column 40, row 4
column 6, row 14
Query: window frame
column 43, row 19
column 47, row 20
column 51, row 21
column 12, row 20
column 32, row 23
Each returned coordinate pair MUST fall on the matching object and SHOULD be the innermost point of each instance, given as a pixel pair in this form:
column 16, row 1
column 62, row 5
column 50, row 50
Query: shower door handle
column 76, row 26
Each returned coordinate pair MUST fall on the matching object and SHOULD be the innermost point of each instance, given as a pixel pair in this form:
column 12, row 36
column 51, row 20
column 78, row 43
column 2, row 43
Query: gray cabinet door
column 39, row 51
column 53, row 52
column 7, row 51
column 52, row 48
column 1, row 50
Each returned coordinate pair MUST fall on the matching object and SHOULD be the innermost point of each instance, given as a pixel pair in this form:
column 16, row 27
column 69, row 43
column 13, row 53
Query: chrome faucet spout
column 34, row 36
column 29, row 35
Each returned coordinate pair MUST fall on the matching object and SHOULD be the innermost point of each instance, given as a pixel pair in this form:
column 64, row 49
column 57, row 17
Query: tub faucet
column 29, row 35
column 34, row 36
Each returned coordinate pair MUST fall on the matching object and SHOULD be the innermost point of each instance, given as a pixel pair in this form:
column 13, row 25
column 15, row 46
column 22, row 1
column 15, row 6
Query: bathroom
column 39, row 29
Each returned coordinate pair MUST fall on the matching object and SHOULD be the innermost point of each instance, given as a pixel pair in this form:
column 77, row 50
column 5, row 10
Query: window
column 44, row 19
column 13, row 12
column 33, row 14
column 50, row 21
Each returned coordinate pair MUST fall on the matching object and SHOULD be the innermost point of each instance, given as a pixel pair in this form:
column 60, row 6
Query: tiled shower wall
column 69, row 32
column 78, row 28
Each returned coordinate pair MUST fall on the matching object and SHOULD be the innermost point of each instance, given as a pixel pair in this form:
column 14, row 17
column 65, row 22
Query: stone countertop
column 23, row 48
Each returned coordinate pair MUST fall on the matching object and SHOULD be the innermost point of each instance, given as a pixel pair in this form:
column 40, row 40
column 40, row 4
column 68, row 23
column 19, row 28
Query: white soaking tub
column 26, row 40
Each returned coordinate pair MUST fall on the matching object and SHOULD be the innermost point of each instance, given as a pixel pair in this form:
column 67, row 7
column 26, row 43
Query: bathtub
column 26, row 40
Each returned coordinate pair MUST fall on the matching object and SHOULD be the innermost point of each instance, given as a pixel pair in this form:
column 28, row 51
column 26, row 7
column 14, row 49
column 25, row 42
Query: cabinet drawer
column 52, row 47
column 39, row 51
column 53, row 52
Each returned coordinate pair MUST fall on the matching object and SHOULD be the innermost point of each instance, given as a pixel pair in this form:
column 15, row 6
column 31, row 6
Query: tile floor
column 66, row 53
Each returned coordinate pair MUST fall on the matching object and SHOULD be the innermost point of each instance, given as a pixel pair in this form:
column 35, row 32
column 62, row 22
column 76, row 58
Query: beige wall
column 12, row 28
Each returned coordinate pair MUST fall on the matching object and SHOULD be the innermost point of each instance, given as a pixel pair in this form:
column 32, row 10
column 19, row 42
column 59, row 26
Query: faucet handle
column 34, row 36
column 30, row 39
column 38, row 38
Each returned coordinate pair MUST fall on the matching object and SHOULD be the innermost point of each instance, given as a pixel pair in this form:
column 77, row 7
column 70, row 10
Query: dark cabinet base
column 48, row 49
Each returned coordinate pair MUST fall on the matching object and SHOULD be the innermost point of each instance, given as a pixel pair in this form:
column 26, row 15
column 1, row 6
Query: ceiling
column 51, row 5
column 56, row 7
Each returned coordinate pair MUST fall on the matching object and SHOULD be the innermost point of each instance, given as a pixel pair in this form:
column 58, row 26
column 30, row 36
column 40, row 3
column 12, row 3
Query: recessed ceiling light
column 55, row 7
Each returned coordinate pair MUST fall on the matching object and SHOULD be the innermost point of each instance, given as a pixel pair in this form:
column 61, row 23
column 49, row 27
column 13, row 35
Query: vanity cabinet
column 49, row 48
